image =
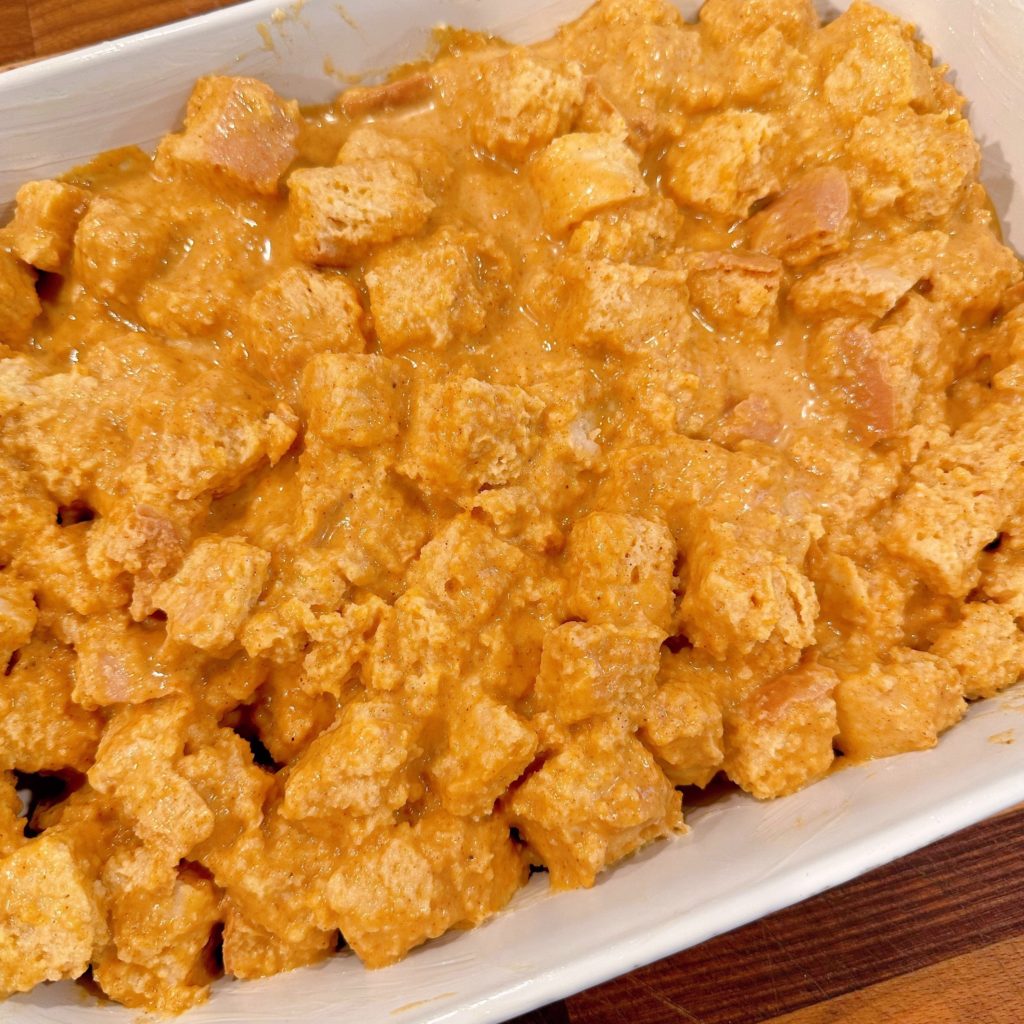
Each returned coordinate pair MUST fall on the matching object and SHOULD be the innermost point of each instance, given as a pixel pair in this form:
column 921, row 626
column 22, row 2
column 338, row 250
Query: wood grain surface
column 935, row 938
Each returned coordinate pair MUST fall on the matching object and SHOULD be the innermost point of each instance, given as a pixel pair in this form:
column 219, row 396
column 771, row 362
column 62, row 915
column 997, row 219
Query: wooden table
column 936, row 938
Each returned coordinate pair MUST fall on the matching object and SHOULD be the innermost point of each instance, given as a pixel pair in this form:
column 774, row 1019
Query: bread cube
column 357, row 766
column 297, row 315
column 683, row 727
column 899, row 705
column 434, row 292
column 370, row 141
column 49, row 918
column 636, row 233
column 580, row 174
column 418, row 881
column 41, row 728
column 736, row 294
column 488, row 747
column 625, row 309
column 920, row 165
column 238, row 132
column 985, row 646
column 621, row 570
column 522, row 104
column 251, row 951
column 778, row 739
column 726, row 21
column 724, row 165
column 19, row 303
column 593, row 803
column 961, row 493
column 809, row 221
column 352, row 400
column 339, row 214
column 45, row 218
column 209, row 598
column 466, row 433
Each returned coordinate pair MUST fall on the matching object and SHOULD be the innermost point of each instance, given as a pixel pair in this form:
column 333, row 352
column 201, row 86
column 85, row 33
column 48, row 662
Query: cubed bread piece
column 340, row 213
column 352, row 400
column 621, row 307
column 45, row 219
column 19, row 303
column 522, row 104
column 418, row 881
column 961, row 493
column 209, row 598
column 118, row 248
column 724, row 164
column 356, row 767
column 636, row 233
column 736, row 293
column 18, row 615
column 809, row 221
column 726, row 21
column 621, row 570
column 49, row 919
column 434, row 291
column 778, row 739
column 488, row 747
column 298, row 314
column 593, row 803
column 898, row 705
column 238, row 131
column 580, row 174
column 118, row 662
column 602, row 669
column 251, row 951
column 466, row 433
column 41, row 728
column 870, row 281
column 371, row 141
column 683, row 727
column 920, row 165
column 986, row 647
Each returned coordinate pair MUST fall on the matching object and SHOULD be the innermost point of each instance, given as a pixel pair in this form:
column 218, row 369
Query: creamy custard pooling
column 407, row 492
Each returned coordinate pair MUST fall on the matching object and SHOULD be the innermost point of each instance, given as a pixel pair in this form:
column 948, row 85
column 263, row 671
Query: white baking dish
column 743, row 859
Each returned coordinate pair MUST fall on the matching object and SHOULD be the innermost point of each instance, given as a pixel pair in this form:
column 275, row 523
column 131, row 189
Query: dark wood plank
column 961, row 894
column 15, row 32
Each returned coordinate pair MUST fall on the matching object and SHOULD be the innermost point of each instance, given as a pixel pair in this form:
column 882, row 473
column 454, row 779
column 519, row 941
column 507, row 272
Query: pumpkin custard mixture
column 404, row 494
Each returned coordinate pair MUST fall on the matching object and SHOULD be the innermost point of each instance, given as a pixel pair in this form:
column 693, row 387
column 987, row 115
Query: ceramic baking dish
column 742, row 859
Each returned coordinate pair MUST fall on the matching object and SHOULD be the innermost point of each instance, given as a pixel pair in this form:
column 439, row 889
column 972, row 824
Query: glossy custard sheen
column 407, row 492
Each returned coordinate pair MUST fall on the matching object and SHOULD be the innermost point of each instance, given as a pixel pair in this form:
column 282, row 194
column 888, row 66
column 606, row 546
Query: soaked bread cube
column 736, row 294
column 724, row 165
column 901, row 704
column 364, row 755
column 581, row 174
column 238, row 131
column 778, row 739
column 726, row 21
column 352, row 400
column 209, row 598
column 50, row 922
column 593, row 803
column 623, row 308
column 602, row 669
column 372, row 142
column 45, row 218
column 683, row 726
column 19, row 303
column 467, row 433
column 636, row 233
column 418, row 881
column 621, row 570
column 250, row 951
column 920, row 164
column 298, row 314
column 809, row 221
column 41, row 728
column 488, row 747
column 339, row 214
column 436, row 291
column 986, row 647
column 523, row 104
